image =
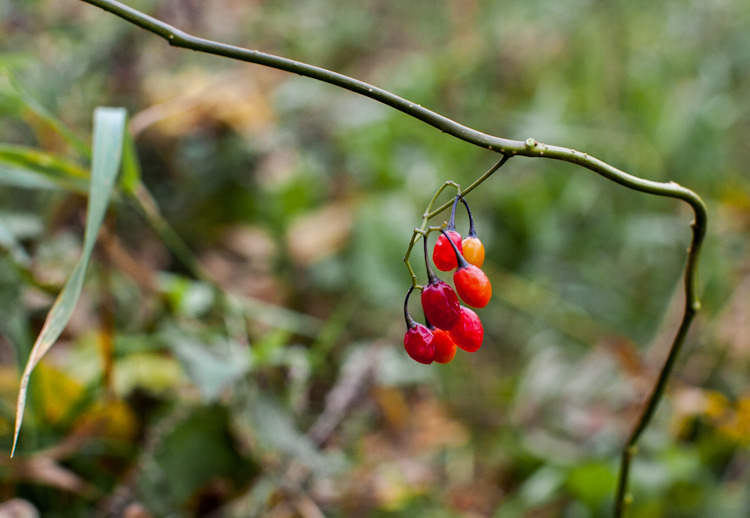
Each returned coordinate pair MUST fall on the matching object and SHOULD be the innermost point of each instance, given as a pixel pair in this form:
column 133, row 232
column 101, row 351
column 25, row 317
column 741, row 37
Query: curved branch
column 508, row 148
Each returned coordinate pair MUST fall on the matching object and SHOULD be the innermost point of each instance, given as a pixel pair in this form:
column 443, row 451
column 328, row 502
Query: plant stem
column 466, row 191
column 692, row 305
column 508, row 148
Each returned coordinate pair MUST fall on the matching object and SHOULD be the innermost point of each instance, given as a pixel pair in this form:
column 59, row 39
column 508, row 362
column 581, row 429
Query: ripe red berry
column 472, row 285
column 439, row 301
column 471, row 282
column 418, row 340
column 419, row 343
column 443, row 255
column 468, row 333
column 445, row 347
column 440, row 304
column 471, row 247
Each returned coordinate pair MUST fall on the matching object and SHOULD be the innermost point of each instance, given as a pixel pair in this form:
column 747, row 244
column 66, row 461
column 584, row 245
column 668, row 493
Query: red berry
column 473, row 250
column 418, row 340
column 468, row 333
column 445, row 347
column 472, row 285
column 419, row 343
column 439, row 301
column 443, row 255
column 440, row 304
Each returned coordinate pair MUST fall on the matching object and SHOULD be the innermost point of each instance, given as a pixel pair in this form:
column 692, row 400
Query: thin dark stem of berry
column 431, row 277
column 472, row 230
column 459, row 257
column 452, row 220
column 407, row 317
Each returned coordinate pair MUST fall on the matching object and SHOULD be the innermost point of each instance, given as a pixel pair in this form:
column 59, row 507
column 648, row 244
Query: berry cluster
column 448, row 323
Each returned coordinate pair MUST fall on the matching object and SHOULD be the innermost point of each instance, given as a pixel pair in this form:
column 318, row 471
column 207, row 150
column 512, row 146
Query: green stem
column 466, row 191
column 427, row 214
column 507, row 147
column 692, row 305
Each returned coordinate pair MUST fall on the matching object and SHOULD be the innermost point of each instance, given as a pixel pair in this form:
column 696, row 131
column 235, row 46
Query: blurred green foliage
column 236, row 350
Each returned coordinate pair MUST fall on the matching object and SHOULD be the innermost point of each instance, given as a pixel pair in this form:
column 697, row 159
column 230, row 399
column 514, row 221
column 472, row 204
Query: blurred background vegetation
column 247, row 359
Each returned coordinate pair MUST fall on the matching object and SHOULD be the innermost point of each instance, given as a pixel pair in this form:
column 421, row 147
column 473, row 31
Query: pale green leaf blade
column 109, row 129
column 25, row 97
column 47, row 167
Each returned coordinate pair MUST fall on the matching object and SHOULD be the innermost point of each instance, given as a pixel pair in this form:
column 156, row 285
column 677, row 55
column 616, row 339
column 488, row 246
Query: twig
column 508, row 148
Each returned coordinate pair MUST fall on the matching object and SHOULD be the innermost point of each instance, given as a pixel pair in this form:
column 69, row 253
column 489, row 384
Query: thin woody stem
column 508, row 148
column 431, row 278
column 432, row 213
column 472, row 229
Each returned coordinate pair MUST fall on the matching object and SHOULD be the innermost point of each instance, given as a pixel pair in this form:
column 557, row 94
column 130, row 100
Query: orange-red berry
column 473, row 250
column 472, row 285
column 471, row 282
column 471, row 247
column 468, row 333
column 445, row 347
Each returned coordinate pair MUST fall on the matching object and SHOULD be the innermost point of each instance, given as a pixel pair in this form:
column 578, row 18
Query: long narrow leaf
column 34, row 106
column 63, row 172
column 109, row 128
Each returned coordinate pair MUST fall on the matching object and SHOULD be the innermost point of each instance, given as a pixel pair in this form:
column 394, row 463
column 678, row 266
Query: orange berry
column 473, row 250
column 445, row 347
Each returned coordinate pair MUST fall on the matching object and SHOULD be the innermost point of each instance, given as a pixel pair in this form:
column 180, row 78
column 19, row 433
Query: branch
column 506, row 147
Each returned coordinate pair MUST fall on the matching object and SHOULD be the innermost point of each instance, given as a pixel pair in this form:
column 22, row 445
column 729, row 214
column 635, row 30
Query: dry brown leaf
column 46, row 471
column 194, row 97
column 243, row 264
column 319, row 234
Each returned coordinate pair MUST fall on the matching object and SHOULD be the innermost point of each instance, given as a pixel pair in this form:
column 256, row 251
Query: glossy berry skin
column 445, row 347
column 419, row 343
column 440, row 304
column 473, row 250
column 468, row 333
column 472, row 285
column 443, row 254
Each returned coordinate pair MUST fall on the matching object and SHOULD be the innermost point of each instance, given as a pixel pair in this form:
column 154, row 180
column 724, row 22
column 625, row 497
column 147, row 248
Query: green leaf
column 592, row 482
column 109, row 129
column 27, row 99
column 275, row 430
column 130, row 179
column 46, row 166
column 15, row 60
column 211, row 368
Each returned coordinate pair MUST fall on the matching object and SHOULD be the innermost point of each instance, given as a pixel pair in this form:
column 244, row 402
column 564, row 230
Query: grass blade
column 16, row 160
column 24, row 97
column 109, row 129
